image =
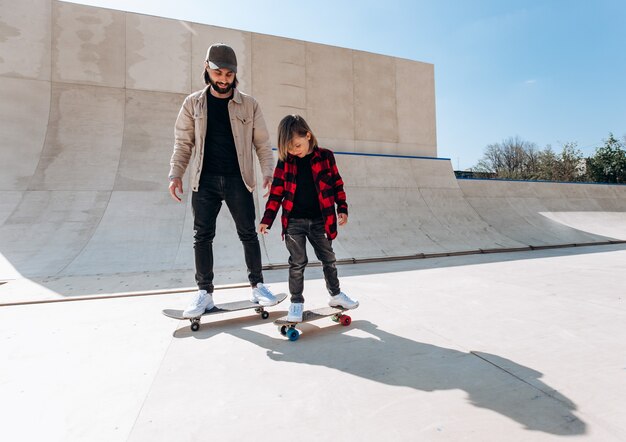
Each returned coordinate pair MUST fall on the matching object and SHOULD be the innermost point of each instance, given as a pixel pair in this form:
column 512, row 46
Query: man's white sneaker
column 295, row 312
column 201, row 302
column 343, row 300
column 263, row 296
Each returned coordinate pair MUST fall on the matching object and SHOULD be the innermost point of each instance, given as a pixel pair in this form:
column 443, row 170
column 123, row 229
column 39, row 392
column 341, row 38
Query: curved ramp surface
column 61, row 232
column 89, row 196
column 87, row 133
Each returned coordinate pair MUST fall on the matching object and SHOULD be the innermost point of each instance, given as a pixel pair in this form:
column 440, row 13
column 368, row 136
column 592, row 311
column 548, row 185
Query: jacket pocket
column 244, row 119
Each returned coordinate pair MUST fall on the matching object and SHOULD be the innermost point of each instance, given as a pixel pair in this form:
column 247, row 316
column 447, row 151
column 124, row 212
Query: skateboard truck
column 288, row 328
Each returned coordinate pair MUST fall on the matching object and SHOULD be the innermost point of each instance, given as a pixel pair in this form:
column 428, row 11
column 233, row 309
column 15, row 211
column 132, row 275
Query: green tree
column 570, row 165
column 608, row 164
column 548, row 162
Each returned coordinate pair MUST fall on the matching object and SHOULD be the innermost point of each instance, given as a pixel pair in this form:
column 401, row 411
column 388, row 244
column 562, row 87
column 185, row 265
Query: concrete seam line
column 122, row 295
column 547, row 393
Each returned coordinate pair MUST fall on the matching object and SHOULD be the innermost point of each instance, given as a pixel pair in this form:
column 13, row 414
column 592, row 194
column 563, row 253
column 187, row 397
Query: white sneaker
column 344, row 301
column 201, row 302
column 263, row 296
column 295, row 312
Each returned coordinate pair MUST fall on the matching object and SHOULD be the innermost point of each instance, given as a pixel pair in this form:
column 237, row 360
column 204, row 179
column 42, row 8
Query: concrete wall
column 355, row 101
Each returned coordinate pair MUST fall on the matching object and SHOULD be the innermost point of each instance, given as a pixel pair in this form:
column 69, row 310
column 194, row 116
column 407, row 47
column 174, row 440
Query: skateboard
column 223, row 308
column 288, row 328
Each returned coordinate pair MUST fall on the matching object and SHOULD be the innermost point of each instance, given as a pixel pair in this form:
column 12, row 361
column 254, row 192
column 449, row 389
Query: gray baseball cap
column 221, row 56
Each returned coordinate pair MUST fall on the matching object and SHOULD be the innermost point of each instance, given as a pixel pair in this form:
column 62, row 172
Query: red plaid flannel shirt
column 328, row 184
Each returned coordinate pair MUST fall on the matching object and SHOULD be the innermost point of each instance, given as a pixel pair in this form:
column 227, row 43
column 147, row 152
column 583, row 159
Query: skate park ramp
column 511, row 330
column 88, row 131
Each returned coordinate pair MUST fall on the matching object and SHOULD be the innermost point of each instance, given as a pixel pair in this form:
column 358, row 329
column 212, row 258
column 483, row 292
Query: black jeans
column 298, row 231
column 206, row 204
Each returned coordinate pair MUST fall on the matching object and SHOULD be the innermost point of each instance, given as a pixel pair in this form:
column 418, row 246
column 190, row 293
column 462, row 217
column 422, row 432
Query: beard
column 221, row 90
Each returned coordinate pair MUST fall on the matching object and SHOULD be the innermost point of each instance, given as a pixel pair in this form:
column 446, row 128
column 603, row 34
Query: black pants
column 298, row 231
column 206, row 204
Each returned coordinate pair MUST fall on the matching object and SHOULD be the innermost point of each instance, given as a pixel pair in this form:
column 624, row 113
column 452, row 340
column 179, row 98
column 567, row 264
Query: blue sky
column 548, row 71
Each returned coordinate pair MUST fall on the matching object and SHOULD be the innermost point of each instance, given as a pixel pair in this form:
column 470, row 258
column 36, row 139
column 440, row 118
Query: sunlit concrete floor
column 516, row 346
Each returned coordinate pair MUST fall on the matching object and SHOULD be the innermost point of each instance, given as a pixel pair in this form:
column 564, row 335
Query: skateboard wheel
column 195, row 326
column 265, row 315
column 282, row 329
column 293, row 334
column 345, row 320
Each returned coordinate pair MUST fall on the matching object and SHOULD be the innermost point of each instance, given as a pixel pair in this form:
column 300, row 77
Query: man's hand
column 267, row 184
column 176, row 184
column 343, row 218
column 263, row 229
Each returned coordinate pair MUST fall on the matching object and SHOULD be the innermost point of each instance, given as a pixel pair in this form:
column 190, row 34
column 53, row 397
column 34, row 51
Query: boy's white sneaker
column 201, row 302
column 295, row 312
column 344, row 301
column 263, row 296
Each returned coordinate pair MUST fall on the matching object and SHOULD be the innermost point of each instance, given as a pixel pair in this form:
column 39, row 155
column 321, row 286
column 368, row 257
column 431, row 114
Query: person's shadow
column 491, row 382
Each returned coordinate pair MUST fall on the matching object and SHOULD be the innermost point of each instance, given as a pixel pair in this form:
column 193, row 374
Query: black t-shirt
column 305, row 201
column 220, row 154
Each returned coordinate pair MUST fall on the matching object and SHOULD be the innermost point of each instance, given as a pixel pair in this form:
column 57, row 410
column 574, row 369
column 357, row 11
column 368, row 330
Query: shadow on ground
column 490, row 381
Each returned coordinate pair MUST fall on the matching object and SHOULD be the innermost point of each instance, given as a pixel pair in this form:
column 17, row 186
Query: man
column 216, row 130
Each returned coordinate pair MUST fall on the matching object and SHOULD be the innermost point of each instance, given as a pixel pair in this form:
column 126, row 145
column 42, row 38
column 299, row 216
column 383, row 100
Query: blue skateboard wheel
column 293, row 334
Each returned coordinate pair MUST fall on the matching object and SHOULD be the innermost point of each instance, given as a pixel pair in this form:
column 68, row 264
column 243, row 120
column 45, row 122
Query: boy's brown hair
column 290, row 126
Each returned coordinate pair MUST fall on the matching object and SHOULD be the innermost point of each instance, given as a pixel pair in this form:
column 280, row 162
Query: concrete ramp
column 87, row 133
column 549, row 214
column 84, row 193
column 398, row 207
column 409, row 206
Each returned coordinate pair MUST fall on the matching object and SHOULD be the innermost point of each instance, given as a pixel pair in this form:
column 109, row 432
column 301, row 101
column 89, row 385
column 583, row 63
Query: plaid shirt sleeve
column 277, row 192
column 340, row 195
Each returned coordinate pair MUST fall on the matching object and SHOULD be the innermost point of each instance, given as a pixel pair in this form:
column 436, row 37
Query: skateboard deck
column 288, row 328
column 224, row 308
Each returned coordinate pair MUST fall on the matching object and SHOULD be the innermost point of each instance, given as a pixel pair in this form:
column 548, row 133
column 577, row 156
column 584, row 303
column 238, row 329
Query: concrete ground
column 525, row 346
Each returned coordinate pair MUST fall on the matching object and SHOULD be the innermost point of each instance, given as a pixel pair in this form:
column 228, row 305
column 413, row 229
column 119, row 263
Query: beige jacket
column 249, row 131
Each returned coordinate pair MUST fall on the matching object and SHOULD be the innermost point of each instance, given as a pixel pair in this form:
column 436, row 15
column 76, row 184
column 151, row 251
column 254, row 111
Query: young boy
column 307, row 183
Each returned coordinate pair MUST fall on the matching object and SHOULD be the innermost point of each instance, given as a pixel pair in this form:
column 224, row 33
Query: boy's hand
column 263, row 229
column 343, row 218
